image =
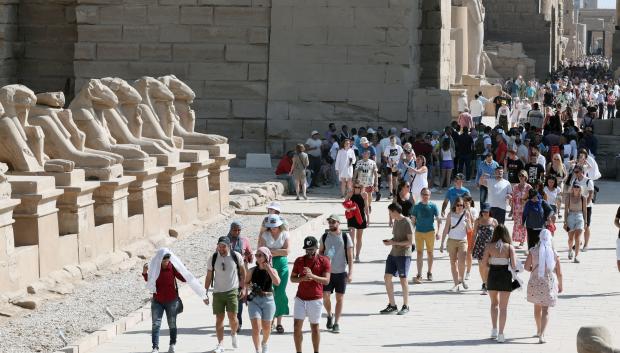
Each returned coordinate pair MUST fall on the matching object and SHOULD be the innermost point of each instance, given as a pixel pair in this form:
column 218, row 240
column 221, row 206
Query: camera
column 256, row 290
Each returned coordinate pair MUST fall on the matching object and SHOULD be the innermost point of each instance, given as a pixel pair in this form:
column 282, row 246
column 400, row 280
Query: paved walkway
column 439, row 321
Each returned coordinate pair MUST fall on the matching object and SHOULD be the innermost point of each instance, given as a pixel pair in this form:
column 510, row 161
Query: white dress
column 344, row 163
column 420, row 182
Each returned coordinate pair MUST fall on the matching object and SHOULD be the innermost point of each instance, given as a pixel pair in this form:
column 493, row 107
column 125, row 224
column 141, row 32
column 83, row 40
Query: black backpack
column 234, row 258
column 344, row 240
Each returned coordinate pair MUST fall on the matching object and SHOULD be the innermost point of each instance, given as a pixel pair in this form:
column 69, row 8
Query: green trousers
column 280, row 264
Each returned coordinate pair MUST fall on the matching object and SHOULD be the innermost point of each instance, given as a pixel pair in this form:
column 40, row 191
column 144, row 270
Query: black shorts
column 588, row 215
column 337, row 282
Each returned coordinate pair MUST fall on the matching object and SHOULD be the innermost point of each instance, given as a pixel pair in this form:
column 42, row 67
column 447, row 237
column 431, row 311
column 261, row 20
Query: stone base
column 139, row 164
column 167, row 159
column 27, row 264
column 214, row 150
column 189, row 156
column 112, row 172
column 111, row 207
column 9, row 276
column 170, row 192
column 219, row 179
column 142, row 199
column 196, row 185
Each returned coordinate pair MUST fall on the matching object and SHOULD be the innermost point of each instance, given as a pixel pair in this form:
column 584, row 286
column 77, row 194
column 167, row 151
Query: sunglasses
column 426, row 194
column 332, row 221
column 459, row 205
column 260, row 255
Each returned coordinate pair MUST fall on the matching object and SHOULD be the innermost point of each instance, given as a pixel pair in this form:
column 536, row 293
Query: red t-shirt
column 311, row 290
column 500, row 153
column 284, row 166
column 166, row 289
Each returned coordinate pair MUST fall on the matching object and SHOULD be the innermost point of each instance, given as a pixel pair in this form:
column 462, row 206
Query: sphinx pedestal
column 171, row 196
column 196, row 187
column 10, row 274
column 218, row 179
column 36, row 222
column 142, row 203
column 111, row 208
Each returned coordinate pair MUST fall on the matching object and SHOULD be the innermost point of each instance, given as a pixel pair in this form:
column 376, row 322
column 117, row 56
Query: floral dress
column 485, row 233
column 542, row 290
column 519, row 192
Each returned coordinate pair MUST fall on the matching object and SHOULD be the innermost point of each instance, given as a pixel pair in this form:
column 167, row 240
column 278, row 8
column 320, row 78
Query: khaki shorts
column 423, row 239
column 456, row 246
column 226, row 302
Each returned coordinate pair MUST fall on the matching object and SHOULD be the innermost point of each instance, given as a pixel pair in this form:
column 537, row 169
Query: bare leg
column 233, row 323
column 419, row 260
column 571, row 240
column 577, row 242
column 544, row 319
column 389, row 288
column 484, row 272
column 266, row 331
column 586, row 239
column 358, row 241
column 405, row 285
column 537, row 317
column 327, row 303
column 316, row 337
column 219, row 327
column 343, row 187
column 297, row 335
column 494, row 295
column 256, row 333
column 429, row 258
column 469, row 260
column 503, row 310
column 297, row 187
column 339, row 305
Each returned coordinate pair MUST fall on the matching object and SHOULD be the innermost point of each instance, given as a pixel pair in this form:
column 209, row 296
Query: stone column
column 196, row 185
column 142, row 200
column 615, row 54
column 170, row 193
column 218, row 179
column 111, row 206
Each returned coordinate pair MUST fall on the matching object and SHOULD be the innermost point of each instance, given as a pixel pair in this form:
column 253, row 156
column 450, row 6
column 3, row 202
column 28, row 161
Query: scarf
column 155, row 268
column 546, row 254
column 352, row 211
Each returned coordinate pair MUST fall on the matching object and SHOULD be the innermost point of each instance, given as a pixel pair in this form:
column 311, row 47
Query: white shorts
column 618, row 249
column 311, row 309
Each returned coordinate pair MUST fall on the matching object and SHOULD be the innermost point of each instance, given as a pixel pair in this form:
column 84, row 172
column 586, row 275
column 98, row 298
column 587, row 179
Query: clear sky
column 607, row 4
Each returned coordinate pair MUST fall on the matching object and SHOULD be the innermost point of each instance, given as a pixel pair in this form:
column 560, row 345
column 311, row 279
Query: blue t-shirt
column 424, row 216
column 453, row 193
column 373, row 151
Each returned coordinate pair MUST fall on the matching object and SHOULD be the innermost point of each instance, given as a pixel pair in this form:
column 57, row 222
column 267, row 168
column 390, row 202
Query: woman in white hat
column 275, row 238
column 344, row 167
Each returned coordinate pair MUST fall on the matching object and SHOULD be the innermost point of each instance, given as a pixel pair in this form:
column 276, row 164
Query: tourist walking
column 500, row 191
column 356, row 201
column 458, row 190
column 483, row 231
column 520, row 194
column 500, row 258
column 261, row 305
column 338, row 247
column 470, row 207
column 587, row 190
column 422, row 216
column 486, row 169
column 399, row 259
column 575, row 212
column 536, row 215
column 552, row 193
column 457, row 224
column 275, row 238
column 298, row 170
column 419, row 179
column 160, row 275
column 545, row 281
column 446, row 158
column 556, row 169
column 312, row 272
column 241, row 245
column 403, row 198
column 227, row 274
column 367, row 174
column 313, row 146
column 345, row 159
column 391, row 155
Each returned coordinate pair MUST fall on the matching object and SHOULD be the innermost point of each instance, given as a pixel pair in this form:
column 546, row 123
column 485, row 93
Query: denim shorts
column 575, row 221
column 263, row 308
column 398, row 266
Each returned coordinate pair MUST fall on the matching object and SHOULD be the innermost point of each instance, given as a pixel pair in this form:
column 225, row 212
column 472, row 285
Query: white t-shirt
column 542, row 161
column 393, row 153
column 226, row 276
column 458, row 230
column 498, row 189
column 475, row 107
column 314, row 143
column 365, row 170
column 552, row 195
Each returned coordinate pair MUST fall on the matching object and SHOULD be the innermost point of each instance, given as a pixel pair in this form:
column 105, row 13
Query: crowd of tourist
column 534, row 164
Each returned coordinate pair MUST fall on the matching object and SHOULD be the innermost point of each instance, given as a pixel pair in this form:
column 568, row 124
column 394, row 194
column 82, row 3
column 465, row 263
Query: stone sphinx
column 44, row 137
column 5, row 188
column 98, row 136
column 595, row 339
column 15, row 150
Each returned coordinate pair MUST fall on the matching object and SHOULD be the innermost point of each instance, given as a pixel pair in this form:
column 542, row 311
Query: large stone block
column 393, row 111
column 248, row 108
column 258, row 35
column 354, row 73
column 358, row 3
column 311, row 111
column 319, row 54
column 163, row 14
column 277, row 110
column 246, row 53
column 219, row 71
column 122, row 14
column 323, row 16
column 196, row 15
column 378, row 55
column 225, row 2
column 241, row 16
column 213, row 108
column 254, row 129
column 289, row 129
column 141, row 33
column 232, row 90
column 85, row 51
column 282, row 90
column 171, row 33
column 231, row 128
column 156, row 52
column 257, row 72
column 214, row 34
column 382, row 17
column 117, row 51
column 356, row 36
column 155, row 69
column 198, row 52
column 85, row 14
column 382, row 92
column 322, row 91
column 99, row 33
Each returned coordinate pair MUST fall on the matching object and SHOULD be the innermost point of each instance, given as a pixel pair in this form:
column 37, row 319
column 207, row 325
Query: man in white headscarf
column 545, row 281
column 160, row 276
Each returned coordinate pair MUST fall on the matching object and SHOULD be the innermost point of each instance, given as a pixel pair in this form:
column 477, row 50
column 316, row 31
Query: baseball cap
column 393, row 131
column 223, row 240
column 314, row 132
column 334, row 217
column 459, row 176
column 405, row 130
column 310, row 242
column 435, row 133
column 364, row 140
column 370, row 131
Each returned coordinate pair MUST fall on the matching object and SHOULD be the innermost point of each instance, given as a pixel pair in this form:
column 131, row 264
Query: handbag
column 179, row 301
column 515, row 282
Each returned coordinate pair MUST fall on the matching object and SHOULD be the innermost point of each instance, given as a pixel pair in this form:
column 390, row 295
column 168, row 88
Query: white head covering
column 546, row 254
column 155, row 267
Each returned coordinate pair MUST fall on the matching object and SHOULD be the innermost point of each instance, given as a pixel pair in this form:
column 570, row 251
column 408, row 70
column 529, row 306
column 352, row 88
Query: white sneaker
column 466, row 277
column 218, row 349
column 541, row 339
column 465, row 285
column 155, row 350
column 171, row 349
column 456, row 288
column 494, row 333
column 570, row 254
column 584, row 249
column 265, row 348
column 576, row 260
column 235, row 344
column 501, row 338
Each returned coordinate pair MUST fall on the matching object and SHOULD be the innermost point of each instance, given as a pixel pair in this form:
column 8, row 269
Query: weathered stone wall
column 521, row 21
column 219, row 47
column 47, row 34
column 8, row 41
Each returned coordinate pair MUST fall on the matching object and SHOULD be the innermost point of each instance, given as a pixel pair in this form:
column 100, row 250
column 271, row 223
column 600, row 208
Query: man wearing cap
column 313, row 148
column 457, row 190
column 391, row 157
column 241, row 245
column 338, row 247
column 228, row 278
column 500, row 191
column 486, row 168
column 312, row 272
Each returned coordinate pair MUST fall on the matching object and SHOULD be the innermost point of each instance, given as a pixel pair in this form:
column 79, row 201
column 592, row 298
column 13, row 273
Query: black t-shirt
column 618, row 216
column 514, row 167
column 535, row 173
column 464, row 143
column 548, row 98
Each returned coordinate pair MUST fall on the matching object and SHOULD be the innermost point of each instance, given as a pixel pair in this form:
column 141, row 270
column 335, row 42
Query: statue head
column 17, row 99
column 125, row 93
column 99, row 93
column 51, row 99
column 179, row 88
column 153, row 88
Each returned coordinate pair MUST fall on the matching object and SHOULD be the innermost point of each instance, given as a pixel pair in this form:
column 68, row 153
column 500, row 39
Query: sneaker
column 155, row 350
column 297, row 198
column 330, row 319
column 494, row 333
column 305, row 197
column 570, row 254
column 390, row 309
column 265, row 348
column 576, row 260
column 235, row 344
column 336, row 328
column 429, row 276
column 501, row 338
column 403, row 310
column 456, row 288
column 417, row 279
column 484, row 289
column 541, row 339
column 218, row 349
column 357, row 259
column 171, row 349
column 584, row 249
column 467, row 277
column 465, row 285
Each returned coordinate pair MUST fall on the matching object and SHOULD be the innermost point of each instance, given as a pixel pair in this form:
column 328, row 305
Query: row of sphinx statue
column 111, row 125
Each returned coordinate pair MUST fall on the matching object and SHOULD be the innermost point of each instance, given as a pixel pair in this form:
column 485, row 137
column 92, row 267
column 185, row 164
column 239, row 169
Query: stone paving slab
column 439, row 321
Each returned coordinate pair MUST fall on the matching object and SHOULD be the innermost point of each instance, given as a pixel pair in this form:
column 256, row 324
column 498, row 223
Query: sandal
column 279, row 329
